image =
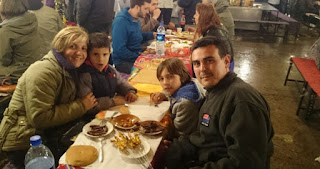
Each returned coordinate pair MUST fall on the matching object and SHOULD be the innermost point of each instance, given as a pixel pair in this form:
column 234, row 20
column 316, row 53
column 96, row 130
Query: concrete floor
column 263, row 63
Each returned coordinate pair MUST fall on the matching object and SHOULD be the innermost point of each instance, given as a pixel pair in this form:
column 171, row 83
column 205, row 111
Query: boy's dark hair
column 133, row 3
column 210, row 40
column 175, row 66
column 98, row 40
column 35, row 4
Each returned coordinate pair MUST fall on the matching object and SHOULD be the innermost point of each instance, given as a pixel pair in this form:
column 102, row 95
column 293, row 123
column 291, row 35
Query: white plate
column 87, row 128
column 136, row 153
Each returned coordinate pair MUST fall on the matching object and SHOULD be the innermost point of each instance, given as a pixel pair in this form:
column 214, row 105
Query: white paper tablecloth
column 112, row 158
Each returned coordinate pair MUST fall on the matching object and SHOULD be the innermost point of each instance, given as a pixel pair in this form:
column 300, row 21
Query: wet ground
column 263, row 62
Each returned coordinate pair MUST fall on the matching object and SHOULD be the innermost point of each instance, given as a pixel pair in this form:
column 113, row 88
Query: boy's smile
column 99, row 57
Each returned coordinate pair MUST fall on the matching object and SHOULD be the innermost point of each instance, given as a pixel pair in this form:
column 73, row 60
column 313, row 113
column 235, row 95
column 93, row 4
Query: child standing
column 185, row 95
column 102, row 79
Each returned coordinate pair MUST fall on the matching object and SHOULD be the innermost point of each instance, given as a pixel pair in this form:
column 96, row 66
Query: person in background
column 45, row 100
column 189, row 7
column 70, row 11
column 185, row 95
column 95, row 15
column 150, row 21
column 222, row 8
column 49, row 24
column 19, row 39
column 234, row 129
column 166, row 11
column 102, row 79
column 127, row 37
column 208, row 24
column 119, row 5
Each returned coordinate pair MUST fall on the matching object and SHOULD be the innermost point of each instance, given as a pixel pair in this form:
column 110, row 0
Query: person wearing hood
column 222, row 8
column 19, row 39
column 49, row 24
column 45, row 101
column 102, row 79
column 185, row 94
column 127, row 37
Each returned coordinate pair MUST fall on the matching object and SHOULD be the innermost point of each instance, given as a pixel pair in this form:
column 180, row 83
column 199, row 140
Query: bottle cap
column 35, row 140
column 183, row 15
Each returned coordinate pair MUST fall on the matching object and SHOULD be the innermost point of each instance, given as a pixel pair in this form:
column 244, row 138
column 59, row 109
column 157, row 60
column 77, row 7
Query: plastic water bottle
column 160, row 46
column 38, row 156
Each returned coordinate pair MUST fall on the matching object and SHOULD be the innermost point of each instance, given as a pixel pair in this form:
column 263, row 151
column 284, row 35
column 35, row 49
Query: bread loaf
column 81, row 155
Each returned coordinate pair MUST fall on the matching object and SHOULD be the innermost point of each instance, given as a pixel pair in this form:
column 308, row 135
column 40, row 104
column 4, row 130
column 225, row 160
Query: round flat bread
column 81, row 155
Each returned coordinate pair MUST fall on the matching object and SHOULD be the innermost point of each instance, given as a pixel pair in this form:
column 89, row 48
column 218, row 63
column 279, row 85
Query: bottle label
column 182, row 23
column 160, row 37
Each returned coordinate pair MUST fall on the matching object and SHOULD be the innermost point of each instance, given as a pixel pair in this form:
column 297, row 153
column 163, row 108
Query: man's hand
column 157, row 97
column 156, row 14
column 166, row 144
column 131, row 97
column 171, row 25
column 119, row 100
column 89, row 101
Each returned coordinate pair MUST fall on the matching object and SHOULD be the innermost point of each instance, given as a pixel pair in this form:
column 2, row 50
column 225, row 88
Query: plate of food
column 95, row 129
column 130, row 145
column 151, row 127
column 126, row 121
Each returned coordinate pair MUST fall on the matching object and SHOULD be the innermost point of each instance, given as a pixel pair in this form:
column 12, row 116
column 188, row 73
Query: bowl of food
column 126, row 121
column 151, row 127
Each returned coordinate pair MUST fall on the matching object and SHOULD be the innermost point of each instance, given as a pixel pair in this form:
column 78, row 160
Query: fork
column 100, row 149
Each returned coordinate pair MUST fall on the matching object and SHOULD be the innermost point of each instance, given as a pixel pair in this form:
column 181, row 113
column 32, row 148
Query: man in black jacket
column 234, row 129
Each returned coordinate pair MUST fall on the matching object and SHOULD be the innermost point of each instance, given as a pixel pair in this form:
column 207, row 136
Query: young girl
column 185, row 95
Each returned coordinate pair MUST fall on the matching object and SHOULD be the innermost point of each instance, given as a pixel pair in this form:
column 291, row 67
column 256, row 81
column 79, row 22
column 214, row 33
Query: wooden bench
column 260, row 22
column 311, row 83
column 292, row 22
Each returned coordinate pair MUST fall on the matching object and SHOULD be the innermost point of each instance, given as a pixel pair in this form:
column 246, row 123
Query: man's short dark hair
column 133, row 3
column 98, row 40
column 210, row 40
column 35, row 4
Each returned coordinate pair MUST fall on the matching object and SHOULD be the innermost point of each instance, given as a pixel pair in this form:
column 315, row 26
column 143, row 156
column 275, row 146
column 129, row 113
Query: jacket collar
column 51, row 57
column 223, row 83
column 88, row 62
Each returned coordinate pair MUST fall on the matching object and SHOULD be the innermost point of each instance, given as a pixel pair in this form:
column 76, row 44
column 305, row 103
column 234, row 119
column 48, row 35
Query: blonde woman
column 45, row 98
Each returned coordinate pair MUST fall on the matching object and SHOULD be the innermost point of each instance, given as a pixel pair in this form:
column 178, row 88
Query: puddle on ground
column 285, row 137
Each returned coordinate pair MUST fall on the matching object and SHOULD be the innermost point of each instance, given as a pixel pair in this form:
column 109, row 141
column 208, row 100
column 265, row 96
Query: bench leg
column 285, row 81
column 304, row 93
column 310, row 104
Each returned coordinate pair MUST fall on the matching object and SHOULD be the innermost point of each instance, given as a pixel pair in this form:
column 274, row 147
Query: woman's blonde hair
column 68, row 36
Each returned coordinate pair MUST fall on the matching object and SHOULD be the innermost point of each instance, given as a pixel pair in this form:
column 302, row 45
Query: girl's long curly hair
column 208, row 17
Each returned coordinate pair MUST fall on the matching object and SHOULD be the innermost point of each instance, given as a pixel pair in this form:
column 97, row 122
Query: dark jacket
column 189, row 7
column 235, row 130
column 19, row 45
column 94, row 15
column 104, row 85
column 127, row 38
